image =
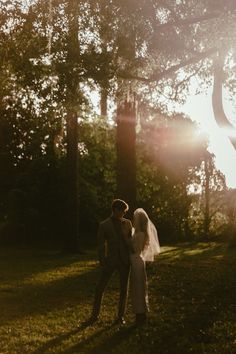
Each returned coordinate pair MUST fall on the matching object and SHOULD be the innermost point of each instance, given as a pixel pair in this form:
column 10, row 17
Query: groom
column 114, row 246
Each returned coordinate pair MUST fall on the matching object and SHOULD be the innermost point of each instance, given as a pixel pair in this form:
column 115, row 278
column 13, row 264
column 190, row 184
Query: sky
column 199, row 108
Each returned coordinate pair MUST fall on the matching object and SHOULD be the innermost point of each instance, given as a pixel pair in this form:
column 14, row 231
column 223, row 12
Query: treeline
column 62, row 164
column 171, row 185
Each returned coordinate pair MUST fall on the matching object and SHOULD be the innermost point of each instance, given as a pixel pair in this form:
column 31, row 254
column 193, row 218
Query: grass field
column 45, row 296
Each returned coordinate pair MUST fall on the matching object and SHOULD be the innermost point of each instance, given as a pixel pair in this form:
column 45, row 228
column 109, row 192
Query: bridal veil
column 153, row 246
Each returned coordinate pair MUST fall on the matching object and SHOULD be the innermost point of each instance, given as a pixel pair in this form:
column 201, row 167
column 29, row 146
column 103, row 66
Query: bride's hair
column 141, row 223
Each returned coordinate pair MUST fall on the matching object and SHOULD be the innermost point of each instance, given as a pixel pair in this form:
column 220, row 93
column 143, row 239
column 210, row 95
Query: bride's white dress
column 138, row 276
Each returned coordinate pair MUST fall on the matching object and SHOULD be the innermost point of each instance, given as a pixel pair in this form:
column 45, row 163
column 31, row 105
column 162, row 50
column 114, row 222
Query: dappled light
column 191, row 303
column 192, row 250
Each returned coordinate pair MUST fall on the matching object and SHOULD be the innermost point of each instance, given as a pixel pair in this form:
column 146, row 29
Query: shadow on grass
column 59, row 294
column 28, row 278
column 53, row 343
column 21, row 264
column 113, row 339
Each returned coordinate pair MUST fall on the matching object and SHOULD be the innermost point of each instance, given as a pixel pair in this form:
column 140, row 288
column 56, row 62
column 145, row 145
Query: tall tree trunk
column 207, row 197
column 126, row 128
column 71, row 240
column 217, row 100
column 126, row 153
column 103, row 101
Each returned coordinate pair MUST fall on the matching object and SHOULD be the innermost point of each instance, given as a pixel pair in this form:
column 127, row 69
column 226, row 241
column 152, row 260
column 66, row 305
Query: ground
column 46, row 296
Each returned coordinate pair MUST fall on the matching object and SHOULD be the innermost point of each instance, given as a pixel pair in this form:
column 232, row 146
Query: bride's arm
column 128, row 237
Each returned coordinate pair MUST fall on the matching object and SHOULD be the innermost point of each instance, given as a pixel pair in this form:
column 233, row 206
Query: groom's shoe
column 120, row 321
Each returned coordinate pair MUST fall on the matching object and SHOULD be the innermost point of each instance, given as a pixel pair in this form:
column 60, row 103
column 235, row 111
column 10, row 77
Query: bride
column 145, row 246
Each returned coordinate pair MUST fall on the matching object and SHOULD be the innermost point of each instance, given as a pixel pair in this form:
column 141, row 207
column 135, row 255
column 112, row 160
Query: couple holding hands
column 126, row 248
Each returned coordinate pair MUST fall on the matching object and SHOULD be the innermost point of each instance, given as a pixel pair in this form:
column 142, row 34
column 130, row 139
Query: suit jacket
column 112, row 247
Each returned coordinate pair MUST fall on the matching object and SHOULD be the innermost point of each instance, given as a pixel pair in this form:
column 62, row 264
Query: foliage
column 97, row 178
column 164, row 179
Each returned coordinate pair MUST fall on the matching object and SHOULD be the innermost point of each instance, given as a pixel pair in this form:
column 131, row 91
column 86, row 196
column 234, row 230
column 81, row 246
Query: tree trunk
column 217, row 100
column 126, row 153
column 207, row 198
column 71, row 242
column 71, row 239
column 103, row 101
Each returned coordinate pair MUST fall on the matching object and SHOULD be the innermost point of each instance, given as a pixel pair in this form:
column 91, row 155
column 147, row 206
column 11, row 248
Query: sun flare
column 199, row 108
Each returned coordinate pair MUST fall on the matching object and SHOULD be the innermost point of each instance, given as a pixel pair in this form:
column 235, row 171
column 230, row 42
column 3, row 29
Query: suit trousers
column 106, row 274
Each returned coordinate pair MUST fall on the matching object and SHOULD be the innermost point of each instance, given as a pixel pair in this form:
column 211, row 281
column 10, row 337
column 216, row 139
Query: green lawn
column 44, row 296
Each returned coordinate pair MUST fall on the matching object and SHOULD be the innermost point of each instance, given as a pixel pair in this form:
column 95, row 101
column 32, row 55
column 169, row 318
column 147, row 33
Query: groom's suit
column 114, row 243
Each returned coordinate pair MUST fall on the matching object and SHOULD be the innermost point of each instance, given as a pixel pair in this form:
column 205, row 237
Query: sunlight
column 59, row 273
column 229, row 132
column 199, row 108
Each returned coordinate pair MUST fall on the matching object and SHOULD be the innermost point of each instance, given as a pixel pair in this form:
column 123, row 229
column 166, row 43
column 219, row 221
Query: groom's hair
column 119, row 204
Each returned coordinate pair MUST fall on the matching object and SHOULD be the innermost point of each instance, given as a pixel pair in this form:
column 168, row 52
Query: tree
column 231, row 214
column 214, row 190
column 126, row 153
column 217, row 100
column 161, row 46
column 55, row 52
column 97, row 160
column 72, row 94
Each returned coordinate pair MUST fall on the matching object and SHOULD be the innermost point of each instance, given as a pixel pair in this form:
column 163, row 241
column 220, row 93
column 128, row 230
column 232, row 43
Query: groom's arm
column 102, row 246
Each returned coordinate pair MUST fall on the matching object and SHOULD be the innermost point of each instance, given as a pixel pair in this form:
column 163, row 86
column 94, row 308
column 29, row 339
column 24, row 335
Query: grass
column 44, row 296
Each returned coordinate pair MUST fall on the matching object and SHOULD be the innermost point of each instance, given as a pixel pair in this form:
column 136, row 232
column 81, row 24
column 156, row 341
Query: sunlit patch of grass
column 59, row 274
column 183, row 250
column 45, row 297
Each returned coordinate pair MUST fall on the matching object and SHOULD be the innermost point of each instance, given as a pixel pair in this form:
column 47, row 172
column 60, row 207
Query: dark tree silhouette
column 126, row 152
column 71, row 239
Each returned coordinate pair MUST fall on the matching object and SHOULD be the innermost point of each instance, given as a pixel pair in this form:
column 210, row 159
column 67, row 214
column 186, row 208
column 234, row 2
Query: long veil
column 153, row 247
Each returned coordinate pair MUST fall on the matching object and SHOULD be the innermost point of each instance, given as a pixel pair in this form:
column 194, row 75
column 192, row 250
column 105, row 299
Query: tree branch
column 189, row 21
column 169, row 71
column 182, row 82
column 217, row 100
